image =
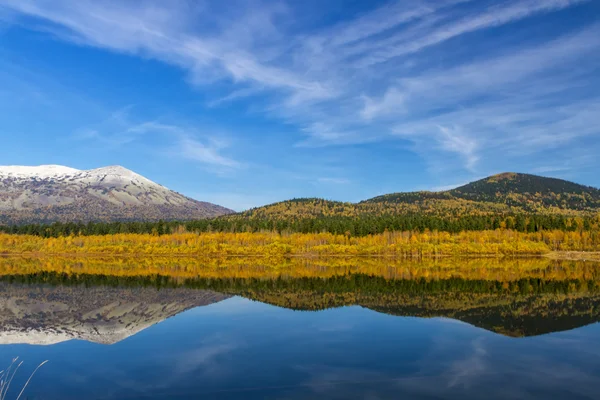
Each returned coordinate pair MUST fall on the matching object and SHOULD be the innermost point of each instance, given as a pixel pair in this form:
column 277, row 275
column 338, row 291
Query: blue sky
column 244, row 103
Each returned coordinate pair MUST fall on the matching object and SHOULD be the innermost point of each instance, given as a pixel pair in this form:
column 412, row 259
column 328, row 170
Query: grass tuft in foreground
column 7, row 376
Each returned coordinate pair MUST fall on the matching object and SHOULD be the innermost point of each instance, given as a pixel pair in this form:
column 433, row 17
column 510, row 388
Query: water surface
column 448, row 330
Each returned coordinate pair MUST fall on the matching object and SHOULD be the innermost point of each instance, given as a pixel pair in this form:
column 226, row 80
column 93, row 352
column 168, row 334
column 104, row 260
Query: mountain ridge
column 51, row 193
column 515, row 188
column 55, row 193
column 501, row 193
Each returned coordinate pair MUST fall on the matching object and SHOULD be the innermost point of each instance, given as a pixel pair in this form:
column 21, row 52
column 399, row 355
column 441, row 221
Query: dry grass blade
column 10, row 379
column 28, row 380
column 7, row 375
column 5, row 378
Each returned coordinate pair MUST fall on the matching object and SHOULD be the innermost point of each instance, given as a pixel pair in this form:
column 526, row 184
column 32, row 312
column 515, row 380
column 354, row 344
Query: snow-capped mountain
column 57, row 193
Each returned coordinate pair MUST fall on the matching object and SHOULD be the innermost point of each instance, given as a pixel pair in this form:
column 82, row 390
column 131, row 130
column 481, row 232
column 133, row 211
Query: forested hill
column 530, row 193
column 503, row 193
column 530, row 190
column 523, row 202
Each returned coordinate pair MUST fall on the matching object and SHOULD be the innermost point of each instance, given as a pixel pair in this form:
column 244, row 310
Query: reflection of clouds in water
column 187, row 365
column 577, row 339
column 456, row 361
column 495, row 367
column 202, row 359
column 321, row 376
column 331, row 382
column 464, row 371
column 441, row 371
column 335, row 327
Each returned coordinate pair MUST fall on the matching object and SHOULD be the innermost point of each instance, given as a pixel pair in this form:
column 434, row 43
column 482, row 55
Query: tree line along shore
column 350, row 225
column 488, row 243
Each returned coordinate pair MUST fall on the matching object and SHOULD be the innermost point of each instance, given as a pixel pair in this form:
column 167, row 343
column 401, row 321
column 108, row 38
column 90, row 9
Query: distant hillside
column 530, row 192
column 503, row 193
column 525, row 203
column 300, row 208
column 50, row 193
column 393, row 204
column 524, row 191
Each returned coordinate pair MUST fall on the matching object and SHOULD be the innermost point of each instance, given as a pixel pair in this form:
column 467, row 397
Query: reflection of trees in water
column 515, row 306
column 352, row 283
column 506, row 269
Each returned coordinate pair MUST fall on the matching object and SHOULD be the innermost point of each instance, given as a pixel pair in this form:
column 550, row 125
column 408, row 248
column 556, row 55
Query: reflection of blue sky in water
column 243, row 349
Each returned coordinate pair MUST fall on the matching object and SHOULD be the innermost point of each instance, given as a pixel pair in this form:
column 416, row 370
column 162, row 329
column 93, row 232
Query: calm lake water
column 527, row 332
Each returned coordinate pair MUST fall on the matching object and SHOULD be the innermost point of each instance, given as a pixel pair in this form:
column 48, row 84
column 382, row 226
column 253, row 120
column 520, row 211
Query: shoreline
column 554, row 255
column 573, row 255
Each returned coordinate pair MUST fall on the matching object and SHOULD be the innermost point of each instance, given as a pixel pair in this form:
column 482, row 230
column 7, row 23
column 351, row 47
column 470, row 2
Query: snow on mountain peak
column 41, row 171
column 107, row 193
column 118, row 172
column 113, row 170
column 48, row 185
column 115, row 173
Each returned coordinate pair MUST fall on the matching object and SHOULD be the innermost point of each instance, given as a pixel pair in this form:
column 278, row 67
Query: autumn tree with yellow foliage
column 499, row 242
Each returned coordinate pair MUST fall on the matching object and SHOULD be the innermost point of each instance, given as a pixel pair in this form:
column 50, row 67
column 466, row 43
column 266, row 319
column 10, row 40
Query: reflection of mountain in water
column 542, row 307
column 107, row 309
column 515, row 315
column 527, row 316
column 102, row 314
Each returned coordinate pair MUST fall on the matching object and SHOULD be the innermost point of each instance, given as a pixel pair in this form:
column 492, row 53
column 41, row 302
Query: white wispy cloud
column 454, row 140
column 235, row 95
column 492, row 16
column 387, row 74
column 207, row 153
column 119, row 130
column 392, row 103
column 161, row 31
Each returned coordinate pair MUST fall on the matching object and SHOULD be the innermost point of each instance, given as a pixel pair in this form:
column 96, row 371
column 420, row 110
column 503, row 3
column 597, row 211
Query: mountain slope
column 503, row 193
column 300, row 208
column 530, row 191
column 56, row 193
column 513, row 189
column 509, row 182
